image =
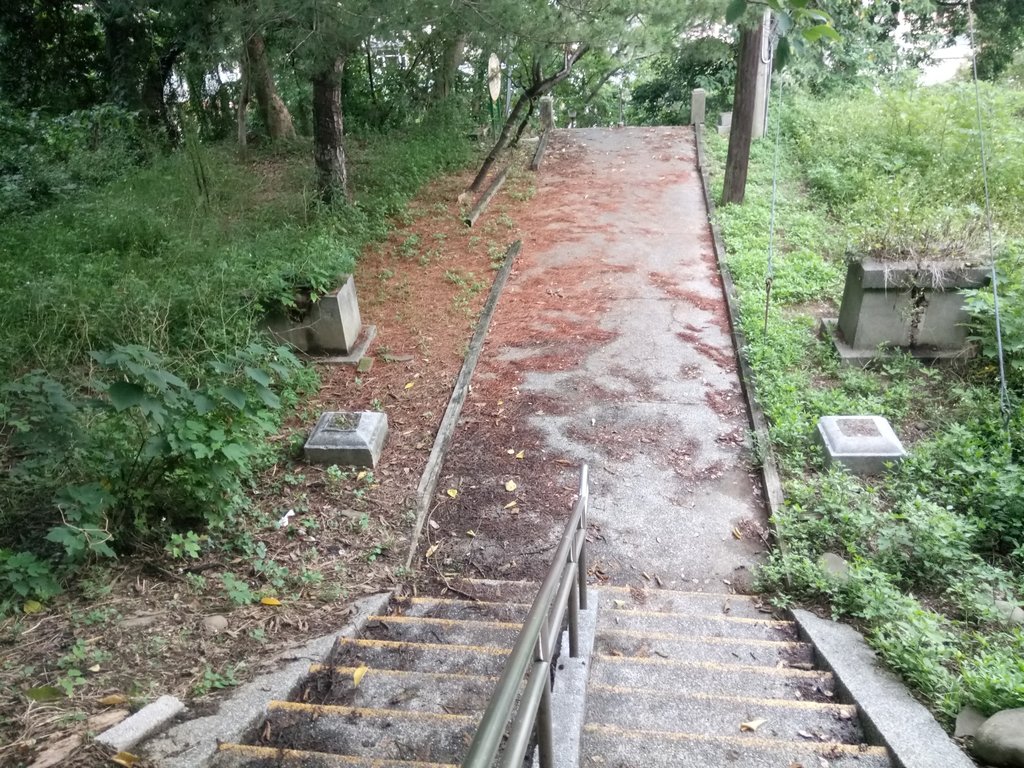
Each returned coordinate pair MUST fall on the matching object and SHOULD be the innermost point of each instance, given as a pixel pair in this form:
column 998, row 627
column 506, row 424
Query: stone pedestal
column 724, row 122
column 353, row 439
column 862, row 444
column 547, row 113
column 906, row 306
column 697, row 106
column 330, row 325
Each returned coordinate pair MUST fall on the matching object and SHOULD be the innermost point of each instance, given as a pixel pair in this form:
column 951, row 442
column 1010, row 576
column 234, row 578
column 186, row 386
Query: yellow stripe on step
column 445, row 622
column 453, row 601
column 675, row 694
column 824, row 747
column 703, row 639
column 302, row 756
column 334, row 709
column 704, row 617
column 716, row 666
column 374, row 671
column 364, row 642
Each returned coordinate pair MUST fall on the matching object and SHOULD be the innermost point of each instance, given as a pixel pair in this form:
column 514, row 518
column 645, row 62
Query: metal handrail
column 564, row 588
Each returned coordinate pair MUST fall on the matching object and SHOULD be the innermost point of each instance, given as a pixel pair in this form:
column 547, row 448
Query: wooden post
column 741, row 133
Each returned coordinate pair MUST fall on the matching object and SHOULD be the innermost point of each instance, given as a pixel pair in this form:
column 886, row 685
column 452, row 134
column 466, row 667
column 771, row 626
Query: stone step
column 614, row 747
column 420, row 691
column 368, row 733
column 638, row 643
column 493, row 591
column 447, row 608
column 691, row 603
column 658, row 674
column 245, row 756
column 433, row 657
column 696, row 624
column 722, row 713
column 416, row 629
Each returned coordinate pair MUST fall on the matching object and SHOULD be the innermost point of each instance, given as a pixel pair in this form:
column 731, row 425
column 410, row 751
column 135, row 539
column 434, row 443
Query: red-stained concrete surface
column 610, row 346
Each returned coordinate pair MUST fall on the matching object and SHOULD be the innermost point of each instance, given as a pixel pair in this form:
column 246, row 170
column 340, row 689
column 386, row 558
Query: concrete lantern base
column 862, row 444
column 347, row 438
column 331, row 325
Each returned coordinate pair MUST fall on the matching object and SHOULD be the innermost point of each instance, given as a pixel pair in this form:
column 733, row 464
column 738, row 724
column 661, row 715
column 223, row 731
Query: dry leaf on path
column 511, row 486
column 452, row 492
column 113, row 700
column 272, row 601
column 521, row 455
column 752, row 725
column 511, row 504
column 357, row 676
column 432, row 549
column 58, row 753
column 126, row 759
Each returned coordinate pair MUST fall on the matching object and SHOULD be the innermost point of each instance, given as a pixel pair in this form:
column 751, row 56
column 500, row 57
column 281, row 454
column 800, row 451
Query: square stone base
column 861, row 358
column 347, row 438
column 862, row 444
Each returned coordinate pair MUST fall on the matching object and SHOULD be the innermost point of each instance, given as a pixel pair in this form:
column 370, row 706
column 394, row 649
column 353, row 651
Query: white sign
column 494, row 76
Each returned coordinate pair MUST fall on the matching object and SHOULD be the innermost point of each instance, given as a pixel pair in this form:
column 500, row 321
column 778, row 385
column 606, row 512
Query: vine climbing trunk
column 743, row 107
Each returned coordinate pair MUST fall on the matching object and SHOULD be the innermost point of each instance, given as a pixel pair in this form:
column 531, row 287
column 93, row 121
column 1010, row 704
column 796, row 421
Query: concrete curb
column 770, row 478
column 890, row 716
column 432, row 471
column 193, row 743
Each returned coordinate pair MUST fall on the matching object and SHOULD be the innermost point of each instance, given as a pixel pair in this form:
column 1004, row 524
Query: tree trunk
column 452, row 54
column 273, row 111
column 241, row 118
column 743, row 106
column 328, row 150
column 538, row 87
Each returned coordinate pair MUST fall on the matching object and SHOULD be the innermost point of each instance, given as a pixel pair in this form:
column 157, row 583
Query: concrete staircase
column 407, row 692
column 683, row 679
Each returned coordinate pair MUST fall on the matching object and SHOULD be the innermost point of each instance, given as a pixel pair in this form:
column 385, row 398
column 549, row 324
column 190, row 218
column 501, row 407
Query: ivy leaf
column 268, row 397
column 260, row 377
column 234, row 396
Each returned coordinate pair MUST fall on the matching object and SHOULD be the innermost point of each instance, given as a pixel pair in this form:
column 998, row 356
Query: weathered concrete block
column 143, row 724
column 697, row 106
column 862, row 444
column 905, row 305
column 331, row 324
column 348, row 439
column 547, row 113
column 724, row 122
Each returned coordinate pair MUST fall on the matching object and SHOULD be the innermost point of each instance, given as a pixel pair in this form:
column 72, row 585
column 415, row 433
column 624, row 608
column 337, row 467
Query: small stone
column 1000, row 739
column 365, row 365
column 968, row 722
column 214, row 624
column 835, row 567
column 1011, row 612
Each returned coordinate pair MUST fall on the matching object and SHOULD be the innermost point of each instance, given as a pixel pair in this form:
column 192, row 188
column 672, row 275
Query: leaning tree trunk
column 272, row 109
column 538, row 87
column 743, row 106
column 328, row 150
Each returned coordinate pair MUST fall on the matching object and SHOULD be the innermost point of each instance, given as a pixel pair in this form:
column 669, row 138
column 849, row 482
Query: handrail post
column 582, row 564
column 545, row 734
column 574, row 620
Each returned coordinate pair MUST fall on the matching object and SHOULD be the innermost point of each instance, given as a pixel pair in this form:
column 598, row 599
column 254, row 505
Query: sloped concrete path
column 611, row 346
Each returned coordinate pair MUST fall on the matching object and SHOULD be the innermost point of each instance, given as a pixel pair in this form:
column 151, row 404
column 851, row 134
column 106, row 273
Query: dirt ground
column 157, row 625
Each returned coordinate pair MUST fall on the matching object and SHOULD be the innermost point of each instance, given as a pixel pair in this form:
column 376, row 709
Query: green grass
column 932, row 545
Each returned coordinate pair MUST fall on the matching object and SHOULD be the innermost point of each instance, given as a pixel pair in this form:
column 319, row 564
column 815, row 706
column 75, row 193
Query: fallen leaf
column 511, row 486
column 270, row 601
column 434, row 524
column 44, row 693
column 361, row 475
column 452, row 492
column 805, row 734
column 619, row 603
column 510, row 451
column 125, row 758
column 521, row 455
column 409, row 385
column 471, row 534
column 94, row 668
column 752, row 725
column 32, row 606
column 511, row 504
column 58, row 753
column 357, row 676
column 737, row 533
column 432, row 549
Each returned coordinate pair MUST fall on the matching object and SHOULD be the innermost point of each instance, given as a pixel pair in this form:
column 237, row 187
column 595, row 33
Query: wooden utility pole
column 743, row 107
